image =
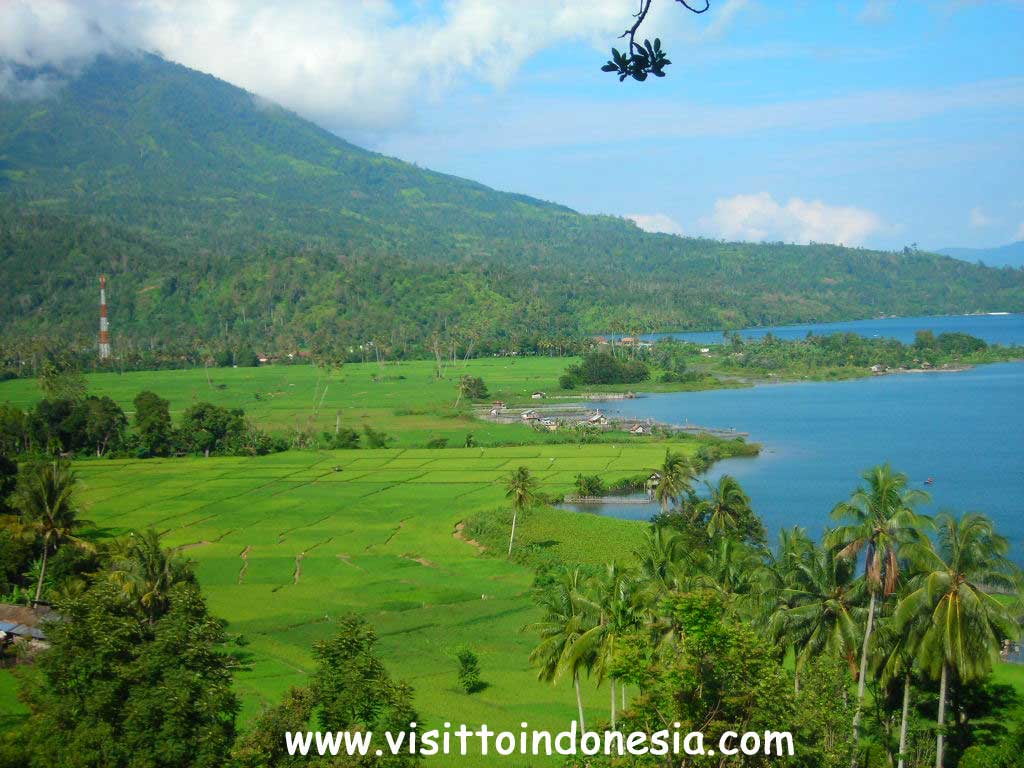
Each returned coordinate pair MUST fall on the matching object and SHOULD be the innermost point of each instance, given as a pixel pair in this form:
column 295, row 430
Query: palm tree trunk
column 515, row 514
column 942, row 717
column 861, row 679
column 42, row 572
column 903, row 722
column 611, row 686
column 579, row 699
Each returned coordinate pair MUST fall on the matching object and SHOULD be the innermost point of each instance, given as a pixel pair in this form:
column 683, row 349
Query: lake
column 965, row 430
column 995, row 329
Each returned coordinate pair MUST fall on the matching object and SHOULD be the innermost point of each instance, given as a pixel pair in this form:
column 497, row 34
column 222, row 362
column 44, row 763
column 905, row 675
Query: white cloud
column 978, row 219
column 344, row 63
column 656, row 222
column 761, row 217
column 1019, row 234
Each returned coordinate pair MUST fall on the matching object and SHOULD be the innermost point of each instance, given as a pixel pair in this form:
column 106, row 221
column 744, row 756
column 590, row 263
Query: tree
column 819, row 613
column 263, row 745
column 563, row 623
column 613, row 603
column 117, row 691
column 961, row 627
column 61, row 381
column 352, row 689
column 674, row 478
column 638, row 61
column 153, row 423
column 521, row 489
column 103, row 423
column 469, row 670
column 374, row 438
column 45, row 500
column 208, row 428
column 146, row 572
column 472, row 388
column 728, row 512
column 882, row 521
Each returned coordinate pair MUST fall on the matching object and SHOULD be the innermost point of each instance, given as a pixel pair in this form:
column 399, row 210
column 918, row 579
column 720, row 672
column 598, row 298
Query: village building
column 539, row 395
column 640, row 429
column 549, row 424
column 530, row 415
column 21, row 627
column 597, row 419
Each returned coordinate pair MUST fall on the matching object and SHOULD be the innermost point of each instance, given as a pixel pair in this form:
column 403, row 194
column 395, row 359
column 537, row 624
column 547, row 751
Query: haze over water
column 965, row 430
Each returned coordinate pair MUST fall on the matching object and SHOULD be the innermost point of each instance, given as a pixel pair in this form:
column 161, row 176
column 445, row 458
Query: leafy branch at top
column 640, row 60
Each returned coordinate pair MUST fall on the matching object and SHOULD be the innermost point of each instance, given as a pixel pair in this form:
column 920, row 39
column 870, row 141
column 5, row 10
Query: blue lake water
column 995, row 329
column 965, row 430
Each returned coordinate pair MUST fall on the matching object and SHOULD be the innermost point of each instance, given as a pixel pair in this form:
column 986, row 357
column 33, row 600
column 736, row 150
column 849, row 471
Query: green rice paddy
column 286, row 544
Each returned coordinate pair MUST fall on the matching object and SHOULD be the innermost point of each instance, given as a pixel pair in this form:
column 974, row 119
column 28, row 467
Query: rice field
column 406, row 400
column 285, row 544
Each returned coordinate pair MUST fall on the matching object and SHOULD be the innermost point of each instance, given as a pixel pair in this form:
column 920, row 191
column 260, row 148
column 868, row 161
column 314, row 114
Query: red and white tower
column 104, row 328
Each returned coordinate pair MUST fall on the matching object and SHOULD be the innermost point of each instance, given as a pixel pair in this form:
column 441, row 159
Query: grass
column 286, row 544
column 401, row 397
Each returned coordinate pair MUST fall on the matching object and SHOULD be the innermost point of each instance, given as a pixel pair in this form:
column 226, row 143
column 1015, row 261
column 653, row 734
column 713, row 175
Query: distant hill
column 1011, row 255
column 218, row 216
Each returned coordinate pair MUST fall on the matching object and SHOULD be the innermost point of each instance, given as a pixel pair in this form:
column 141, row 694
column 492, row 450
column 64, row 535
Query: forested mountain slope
column 218, row 215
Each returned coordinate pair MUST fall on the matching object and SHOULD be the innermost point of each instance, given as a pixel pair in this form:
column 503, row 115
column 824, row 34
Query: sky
column 879, row 123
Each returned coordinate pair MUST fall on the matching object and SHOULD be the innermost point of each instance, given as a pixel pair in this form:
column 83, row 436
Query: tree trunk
column 515, row 514
column 861, row 679
column 579, row 699
column 42, row 572
column 942, row 717
column 903, row 722
column 622, row 689
column 611, row 686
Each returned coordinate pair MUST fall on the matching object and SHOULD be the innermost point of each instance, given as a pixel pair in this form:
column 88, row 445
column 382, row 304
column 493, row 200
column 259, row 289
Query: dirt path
column 461, row 536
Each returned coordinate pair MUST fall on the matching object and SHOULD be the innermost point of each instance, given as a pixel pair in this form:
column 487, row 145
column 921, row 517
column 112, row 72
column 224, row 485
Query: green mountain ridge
column 219, row 216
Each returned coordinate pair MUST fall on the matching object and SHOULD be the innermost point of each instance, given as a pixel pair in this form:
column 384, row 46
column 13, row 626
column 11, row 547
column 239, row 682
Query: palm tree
column 613, row 603
column 896, row 661
column 882, row 521
column 662, row 550
column 564, row 622
column 521, row 488
column 726, row 507
column 45, row 499
column 961, row 625
column 819, row 612
column 145, row 571
column 673, row 478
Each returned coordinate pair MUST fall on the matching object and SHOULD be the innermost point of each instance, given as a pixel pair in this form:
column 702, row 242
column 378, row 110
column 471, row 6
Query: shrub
column 469, row 671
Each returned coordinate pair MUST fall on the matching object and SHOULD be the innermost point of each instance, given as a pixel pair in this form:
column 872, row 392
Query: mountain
column 219, row 217
column 1011, row 255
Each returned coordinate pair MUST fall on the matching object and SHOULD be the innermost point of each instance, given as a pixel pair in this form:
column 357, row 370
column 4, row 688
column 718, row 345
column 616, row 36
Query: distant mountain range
column 220, row 217
column 1011, row 255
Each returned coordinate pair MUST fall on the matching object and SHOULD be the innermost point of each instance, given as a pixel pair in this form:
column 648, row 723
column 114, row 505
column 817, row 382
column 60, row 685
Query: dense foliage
column 699, row 629
column 600, row 367
column 223, row 219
